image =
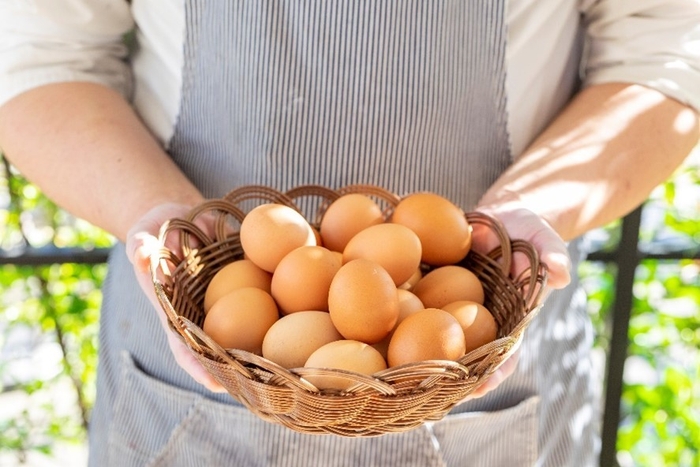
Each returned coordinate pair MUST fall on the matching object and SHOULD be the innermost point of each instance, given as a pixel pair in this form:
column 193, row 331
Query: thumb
column 554, row 253
column 140, row 248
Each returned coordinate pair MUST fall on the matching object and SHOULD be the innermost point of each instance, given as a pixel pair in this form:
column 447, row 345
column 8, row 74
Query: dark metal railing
column 627, row 257
column 53, row 255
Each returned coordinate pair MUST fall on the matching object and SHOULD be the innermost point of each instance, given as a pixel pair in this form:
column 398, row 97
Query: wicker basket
column 394, row 400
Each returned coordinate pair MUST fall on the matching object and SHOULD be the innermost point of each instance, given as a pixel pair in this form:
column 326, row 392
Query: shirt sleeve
column 49, row 41
column 655, row 43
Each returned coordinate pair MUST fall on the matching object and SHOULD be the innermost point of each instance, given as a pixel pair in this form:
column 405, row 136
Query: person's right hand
column 141, row 244
column 521, row 223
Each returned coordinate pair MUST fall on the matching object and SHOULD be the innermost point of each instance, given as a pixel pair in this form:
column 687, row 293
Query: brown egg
column 429, row 334
column 293, row 338
column 240, row 319
column 442, row 227
column 235, row 275
column 449, row 284
column 477, row 322
column 363, row 301
column 347, row 216
column 339, row 255
column 393, row 246
column 270, row 231
column 348, row 355
column 303, row 278
column 408, row 305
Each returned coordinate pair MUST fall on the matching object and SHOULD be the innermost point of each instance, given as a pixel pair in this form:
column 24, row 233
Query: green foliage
column 598, row 279
column 661, row 398
column 660, row 403
column 661, row 424
column 684, row 219
column 57, row 306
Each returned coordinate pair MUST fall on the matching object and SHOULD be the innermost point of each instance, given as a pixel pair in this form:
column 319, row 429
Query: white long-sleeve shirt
column 655, row 43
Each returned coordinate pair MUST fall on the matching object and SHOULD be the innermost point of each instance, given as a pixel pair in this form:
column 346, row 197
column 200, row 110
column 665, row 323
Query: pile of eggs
column 362, row 293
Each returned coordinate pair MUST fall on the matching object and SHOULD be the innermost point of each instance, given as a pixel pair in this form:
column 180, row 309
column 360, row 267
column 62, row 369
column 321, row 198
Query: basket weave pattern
column 394, row 400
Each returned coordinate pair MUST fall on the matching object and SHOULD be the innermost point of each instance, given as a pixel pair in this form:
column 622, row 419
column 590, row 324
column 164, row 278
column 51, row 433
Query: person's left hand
column 141, row 246
column 521, row 223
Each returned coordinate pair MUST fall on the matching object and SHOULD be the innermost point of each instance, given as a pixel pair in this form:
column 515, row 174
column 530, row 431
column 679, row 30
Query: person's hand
column 141, row 244
column 521, row 223
column 501, row 374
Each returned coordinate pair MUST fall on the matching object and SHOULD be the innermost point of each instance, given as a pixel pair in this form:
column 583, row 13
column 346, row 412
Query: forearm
column 85, row 147
column 600, row 158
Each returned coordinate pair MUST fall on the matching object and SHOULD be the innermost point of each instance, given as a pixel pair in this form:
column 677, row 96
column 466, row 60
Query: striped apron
column 407, row 95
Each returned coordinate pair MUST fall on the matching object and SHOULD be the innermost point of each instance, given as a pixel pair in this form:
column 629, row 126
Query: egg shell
column 270, row 231
column 429, row 334
column 394, row 247
column 293, row 338
column 240, row 319
column 363, row 301
column 443, row 229
column 303, row 278
column 449, row 284
column 347, row 216
column 348, row 355
column 408, row 304
column 235, row 275
column 477, row 323
column 339, row 255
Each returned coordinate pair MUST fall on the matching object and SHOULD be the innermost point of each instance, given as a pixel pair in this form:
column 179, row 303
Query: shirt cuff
column 13, row 84
column 679, row 82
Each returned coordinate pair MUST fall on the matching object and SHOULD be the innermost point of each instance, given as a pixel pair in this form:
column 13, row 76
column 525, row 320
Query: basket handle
column 533, row 280
column 173, row 318
column 221, row 229
column 503, row 253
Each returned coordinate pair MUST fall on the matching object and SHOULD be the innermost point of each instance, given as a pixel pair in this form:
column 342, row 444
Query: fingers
column 554, row 253
column 506, row 369
column 187, row 361
column 144, row 233
column 140, row 248
column 524, row 224
column 559, row 270
column 141, row 245
column 500, row 375
column 183, row 355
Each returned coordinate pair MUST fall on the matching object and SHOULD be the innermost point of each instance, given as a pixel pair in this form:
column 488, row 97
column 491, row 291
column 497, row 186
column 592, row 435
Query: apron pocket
column 503, row 437
column 146, row 412
column 159, row 425
column 216, row 434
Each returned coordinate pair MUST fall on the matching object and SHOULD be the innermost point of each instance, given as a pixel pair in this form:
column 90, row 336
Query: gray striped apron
column 407, row 95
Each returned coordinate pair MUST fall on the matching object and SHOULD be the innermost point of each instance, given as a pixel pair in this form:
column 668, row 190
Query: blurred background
column 642, row 279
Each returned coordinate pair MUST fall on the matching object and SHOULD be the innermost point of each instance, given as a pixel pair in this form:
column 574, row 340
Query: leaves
column 48, row 325
column 660, row 422
column 666, row 415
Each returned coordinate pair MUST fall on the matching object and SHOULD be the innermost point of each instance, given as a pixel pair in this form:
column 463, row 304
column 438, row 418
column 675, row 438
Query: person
column 555, row 116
